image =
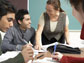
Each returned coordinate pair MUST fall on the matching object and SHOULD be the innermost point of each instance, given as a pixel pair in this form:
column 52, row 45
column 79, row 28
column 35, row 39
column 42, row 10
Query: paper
column 8, row 55
column 44, row 47
column 45, row 60
column 37, row 51
column 41, row 51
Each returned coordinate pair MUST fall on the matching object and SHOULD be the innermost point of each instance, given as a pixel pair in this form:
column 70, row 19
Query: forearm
column 32, row 40
column 38, row 34
column 38, row 38
column 67, row 34
column 67, row 37
column 8, row 47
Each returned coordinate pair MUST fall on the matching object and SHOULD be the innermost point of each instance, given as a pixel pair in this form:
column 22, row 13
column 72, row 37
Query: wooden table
column 48, row 54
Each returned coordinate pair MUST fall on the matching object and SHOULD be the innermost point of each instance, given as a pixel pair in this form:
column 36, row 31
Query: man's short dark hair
column 20, row 14
column 6, row 7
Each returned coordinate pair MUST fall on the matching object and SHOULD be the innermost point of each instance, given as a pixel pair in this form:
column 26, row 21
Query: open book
column 63, row 48
column 44, row 47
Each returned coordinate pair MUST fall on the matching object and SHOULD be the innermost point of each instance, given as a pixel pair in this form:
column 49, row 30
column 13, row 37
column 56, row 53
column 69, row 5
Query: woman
column 53, row 25
column 78, row 13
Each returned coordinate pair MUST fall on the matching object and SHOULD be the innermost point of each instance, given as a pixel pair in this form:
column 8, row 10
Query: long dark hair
column 56, row 4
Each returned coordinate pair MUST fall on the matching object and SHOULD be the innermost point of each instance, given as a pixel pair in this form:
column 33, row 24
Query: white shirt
column 52, row 24
column 2, row 34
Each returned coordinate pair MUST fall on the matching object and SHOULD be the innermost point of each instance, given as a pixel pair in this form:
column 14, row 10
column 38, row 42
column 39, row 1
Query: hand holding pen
column 54, row 51
column 56, row 55
column 27, row 44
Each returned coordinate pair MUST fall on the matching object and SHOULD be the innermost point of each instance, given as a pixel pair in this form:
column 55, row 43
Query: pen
column 55, row 48
column 40, row 56
column 25, row 41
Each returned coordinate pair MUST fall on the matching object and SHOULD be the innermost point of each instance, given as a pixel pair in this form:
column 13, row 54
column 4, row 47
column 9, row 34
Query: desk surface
column 48, row 54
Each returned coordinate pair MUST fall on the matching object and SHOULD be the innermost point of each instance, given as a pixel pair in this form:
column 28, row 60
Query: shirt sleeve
column 18, row 59
column 68, row 59
column 41, row 20
column 6, row 43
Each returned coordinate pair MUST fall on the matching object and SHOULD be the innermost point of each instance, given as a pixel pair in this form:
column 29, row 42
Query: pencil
column 40, row 56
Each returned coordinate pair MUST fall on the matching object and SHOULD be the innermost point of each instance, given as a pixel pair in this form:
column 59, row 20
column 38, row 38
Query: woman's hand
column 37, row 47
column 57, row 56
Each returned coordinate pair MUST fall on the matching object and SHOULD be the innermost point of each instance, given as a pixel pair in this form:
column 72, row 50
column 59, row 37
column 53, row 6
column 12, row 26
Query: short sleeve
column 41, row 20
column 67, row 20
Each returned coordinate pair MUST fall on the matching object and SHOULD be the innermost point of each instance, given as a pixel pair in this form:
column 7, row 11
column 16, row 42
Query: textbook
column 63, row 48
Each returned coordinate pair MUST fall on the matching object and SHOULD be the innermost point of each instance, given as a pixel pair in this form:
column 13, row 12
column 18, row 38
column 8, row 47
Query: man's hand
column 27, row 45
column 27, row 53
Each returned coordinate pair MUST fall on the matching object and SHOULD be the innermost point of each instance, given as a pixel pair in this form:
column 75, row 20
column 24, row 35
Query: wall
column 36, row 7
column 19, row 4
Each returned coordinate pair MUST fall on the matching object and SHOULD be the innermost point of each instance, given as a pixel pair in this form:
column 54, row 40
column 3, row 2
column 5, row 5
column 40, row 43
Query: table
column 48, row 54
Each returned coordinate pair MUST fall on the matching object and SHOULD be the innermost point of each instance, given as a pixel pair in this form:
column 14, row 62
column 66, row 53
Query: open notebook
column 63, row 48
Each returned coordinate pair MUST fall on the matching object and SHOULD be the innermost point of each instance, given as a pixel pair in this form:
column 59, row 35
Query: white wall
column 75, row 39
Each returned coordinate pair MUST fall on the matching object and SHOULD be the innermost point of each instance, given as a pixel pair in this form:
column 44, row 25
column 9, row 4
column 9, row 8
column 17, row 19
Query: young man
column 7, row 16
column 20, row 34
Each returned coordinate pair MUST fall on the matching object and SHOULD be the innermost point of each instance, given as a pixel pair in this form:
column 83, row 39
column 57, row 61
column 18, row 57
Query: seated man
column 20, row 34
column 7, row 16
